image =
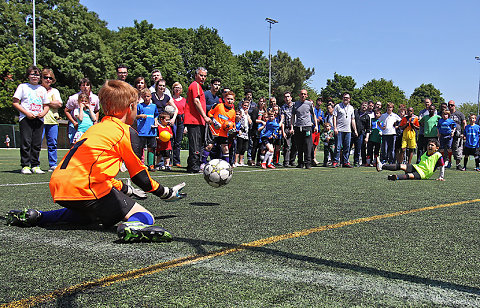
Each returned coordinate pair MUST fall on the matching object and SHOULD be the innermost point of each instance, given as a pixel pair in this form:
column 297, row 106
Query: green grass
column 428, row 258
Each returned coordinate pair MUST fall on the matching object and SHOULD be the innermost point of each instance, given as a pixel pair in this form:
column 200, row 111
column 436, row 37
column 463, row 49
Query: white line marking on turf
column 366, row 284
column 22, row 184
column 154, row 176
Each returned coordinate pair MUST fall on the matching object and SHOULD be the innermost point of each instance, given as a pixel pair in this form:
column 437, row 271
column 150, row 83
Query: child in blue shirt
column 147, row 113
column 268, row 133
column 446, row 129
column 471, row 136
column 84, row 116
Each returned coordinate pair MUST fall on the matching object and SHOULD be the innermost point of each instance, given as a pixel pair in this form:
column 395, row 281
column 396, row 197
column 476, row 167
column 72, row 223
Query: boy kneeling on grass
column 84, row 183
column 429, row 162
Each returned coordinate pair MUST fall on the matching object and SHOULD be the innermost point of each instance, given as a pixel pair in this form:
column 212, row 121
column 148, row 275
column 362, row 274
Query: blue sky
column 409, row 42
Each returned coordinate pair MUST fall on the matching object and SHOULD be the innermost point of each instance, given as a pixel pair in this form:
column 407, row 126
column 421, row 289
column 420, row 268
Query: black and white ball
column 217, row 172
column 170, row 110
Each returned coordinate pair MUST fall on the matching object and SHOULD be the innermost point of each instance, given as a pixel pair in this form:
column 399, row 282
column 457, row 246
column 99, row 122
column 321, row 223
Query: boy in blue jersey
column 429, row 162
column 147, row 114
column 472, row 137
column 446, row 131
column 268, row 132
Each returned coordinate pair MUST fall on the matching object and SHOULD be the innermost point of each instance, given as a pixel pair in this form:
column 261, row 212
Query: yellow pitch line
column 149, row 270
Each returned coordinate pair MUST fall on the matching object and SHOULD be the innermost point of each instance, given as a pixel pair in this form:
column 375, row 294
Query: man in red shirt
column 195, row 120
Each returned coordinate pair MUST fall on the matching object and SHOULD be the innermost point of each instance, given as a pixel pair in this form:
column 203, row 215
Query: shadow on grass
column 204, row 203
column 165, row 217
column 88, row 227
column 17, row 171
column 198, row 245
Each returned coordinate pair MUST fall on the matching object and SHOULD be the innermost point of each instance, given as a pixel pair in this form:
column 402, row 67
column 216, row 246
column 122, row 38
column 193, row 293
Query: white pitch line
column 155, row 176
column 349, row 283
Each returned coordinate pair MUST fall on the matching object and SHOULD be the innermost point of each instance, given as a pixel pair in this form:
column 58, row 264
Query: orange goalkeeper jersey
column 221, row 115
column 88, row 170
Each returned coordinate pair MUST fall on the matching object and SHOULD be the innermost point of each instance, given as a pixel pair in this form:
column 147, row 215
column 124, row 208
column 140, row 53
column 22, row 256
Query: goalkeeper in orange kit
column 84, row 182
column 223, row 117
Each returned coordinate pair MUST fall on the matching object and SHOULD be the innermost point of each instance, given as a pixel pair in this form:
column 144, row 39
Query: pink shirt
column 180, row 105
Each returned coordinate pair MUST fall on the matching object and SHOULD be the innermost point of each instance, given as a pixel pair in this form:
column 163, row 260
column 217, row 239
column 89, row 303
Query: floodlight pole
column 478, row 95
column 271, row 22
column 34, row 37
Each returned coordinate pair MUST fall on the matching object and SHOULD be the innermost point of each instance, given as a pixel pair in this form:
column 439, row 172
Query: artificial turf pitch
column 285, row 238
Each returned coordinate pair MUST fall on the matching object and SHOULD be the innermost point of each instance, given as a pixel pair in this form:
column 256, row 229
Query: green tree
column 254, row 72
column 288, row 75
column 425, row 91
column 382, row 90
column 203, row 47
column 70, row 40
column 468, row 108
column 142, row 49
column 337, row 86
column 14, row 59
column 211, row 52
column 15, row 28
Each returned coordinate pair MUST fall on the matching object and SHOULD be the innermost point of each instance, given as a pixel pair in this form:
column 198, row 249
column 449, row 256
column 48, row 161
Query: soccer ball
column 217, row 172
column 170, row 110
column 164, row 136
column 228, row 125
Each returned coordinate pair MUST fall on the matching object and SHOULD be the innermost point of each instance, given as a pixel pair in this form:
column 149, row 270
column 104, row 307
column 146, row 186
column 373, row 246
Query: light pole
column 478, row 95
column 271, row 22
column 34, row 37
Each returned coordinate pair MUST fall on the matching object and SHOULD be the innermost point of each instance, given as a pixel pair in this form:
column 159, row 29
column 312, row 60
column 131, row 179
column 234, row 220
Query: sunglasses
column 47, row 78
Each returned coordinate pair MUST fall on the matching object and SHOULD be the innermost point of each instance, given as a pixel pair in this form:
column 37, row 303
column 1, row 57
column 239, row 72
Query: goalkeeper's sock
column 226, row 157
column 143, row 217
column 269, row 158
column 391, row 167
column 205, row 156
column 151, row 158
column 63, row 216
column 265, row 158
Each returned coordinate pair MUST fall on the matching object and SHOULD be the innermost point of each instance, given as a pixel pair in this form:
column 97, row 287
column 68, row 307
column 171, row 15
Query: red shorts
column 315, row 138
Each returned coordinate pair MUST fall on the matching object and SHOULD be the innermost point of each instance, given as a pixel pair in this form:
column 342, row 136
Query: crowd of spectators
column 263, row 134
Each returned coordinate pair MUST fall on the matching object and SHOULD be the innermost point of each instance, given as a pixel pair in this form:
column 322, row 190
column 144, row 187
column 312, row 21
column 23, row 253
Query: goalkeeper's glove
column 173, row 193
column 135, row 192
column 216, row 124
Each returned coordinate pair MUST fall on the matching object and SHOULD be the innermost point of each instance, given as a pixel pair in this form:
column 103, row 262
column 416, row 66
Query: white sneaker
column 37, row 170
column 379, row 164
column 235, row 165
column 52, row 168
column 26, row 170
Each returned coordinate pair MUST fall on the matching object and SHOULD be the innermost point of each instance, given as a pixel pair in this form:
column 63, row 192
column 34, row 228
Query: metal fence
column 13, row 133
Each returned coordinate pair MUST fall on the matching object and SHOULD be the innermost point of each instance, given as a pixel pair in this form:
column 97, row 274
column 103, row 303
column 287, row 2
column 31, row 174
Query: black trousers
column 289, row 150
column 196, row 138
column 31, row 132
column 304, row 143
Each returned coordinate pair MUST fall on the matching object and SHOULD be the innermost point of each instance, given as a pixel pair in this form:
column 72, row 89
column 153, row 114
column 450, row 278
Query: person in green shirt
column 429, row 162
column 430, row 123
